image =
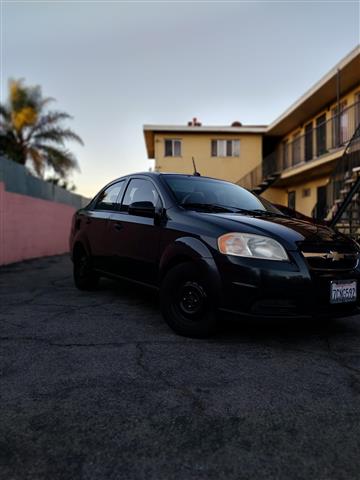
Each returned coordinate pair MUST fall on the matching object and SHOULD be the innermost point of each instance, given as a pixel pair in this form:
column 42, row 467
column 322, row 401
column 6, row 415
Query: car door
column 135, row 239
column 96, row 223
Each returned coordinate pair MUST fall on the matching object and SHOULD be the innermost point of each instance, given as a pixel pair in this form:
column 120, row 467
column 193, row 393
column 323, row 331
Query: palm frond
column 57, row 135
column 37, row 160
column 45, row 101
column 51, row 118
column 60, row 160
column 12, row 148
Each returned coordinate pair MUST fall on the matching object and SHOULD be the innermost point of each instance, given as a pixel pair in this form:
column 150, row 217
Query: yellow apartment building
column 291, row 161
column 221, row 152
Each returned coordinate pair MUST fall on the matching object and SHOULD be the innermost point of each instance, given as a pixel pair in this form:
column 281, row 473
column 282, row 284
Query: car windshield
column 216, row 195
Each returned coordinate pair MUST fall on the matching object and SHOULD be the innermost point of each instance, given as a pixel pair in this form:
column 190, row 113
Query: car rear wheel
column 186, row 302
column 84, row 276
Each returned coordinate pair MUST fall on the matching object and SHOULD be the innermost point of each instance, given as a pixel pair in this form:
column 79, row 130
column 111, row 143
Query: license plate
column 343, row 291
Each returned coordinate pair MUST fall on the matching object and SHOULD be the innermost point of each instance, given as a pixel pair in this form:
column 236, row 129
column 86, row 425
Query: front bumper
column 266, row 288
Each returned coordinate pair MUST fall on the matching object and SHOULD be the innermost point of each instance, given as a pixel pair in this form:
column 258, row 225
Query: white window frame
column 173, row 141
column 222, row 147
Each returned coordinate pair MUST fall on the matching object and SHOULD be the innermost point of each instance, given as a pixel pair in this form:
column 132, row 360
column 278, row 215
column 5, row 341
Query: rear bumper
column 257, row 288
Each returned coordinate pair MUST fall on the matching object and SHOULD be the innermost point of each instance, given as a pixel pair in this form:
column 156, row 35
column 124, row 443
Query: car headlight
column 250, row 245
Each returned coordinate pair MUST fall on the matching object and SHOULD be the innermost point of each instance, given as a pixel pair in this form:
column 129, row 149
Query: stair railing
column 344, row 171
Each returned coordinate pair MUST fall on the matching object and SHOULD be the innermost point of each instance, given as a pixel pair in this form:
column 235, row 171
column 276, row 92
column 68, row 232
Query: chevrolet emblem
column 334, row 256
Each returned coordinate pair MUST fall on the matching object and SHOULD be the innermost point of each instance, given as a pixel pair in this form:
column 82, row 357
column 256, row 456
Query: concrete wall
column 32, row 227
column 35, row 216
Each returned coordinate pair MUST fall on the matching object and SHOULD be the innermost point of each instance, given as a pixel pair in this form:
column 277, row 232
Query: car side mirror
column 142, row 209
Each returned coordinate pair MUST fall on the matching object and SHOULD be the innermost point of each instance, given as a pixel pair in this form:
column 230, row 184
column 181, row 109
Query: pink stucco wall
column 31, row 227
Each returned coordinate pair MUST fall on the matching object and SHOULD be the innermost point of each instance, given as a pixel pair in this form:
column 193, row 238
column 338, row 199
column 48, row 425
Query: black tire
column 84, row 276
column 186, row 303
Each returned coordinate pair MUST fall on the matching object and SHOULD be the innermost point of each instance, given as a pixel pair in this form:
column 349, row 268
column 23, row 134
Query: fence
column 17, row 179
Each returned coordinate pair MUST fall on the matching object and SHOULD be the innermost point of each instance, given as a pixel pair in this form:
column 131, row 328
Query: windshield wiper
column 217, row 207
column 212, row 207
column 269, row 213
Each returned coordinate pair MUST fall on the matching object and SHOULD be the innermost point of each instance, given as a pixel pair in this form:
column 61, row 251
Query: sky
column 116, row 65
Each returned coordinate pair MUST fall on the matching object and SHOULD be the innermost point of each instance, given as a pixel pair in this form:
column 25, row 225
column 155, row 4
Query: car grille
column 330, row 257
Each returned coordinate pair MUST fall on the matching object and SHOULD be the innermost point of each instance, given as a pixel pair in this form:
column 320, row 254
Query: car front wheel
column 186, row 302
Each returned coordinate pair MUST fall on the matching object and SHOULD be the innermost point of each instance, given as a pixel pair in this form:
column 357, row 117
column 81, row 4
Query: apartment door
column 321, row 205
column 321, row 135
column 308, row 142
column 292, row 200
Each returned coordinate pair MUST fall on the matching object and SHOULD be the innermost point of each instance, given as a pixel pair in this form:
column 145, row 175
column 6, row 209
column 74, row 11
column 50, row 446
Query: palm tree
column 32, row 135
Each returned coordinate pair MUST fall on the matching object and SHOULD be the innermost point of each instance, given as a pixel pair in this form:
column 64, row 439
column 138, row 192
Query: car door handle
column 118, row 226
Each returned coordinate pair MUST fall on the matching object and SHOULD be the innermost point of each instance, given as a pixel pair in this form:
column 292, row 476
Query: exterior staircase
column 343, row 193
column 266, row 183
column 263, row 176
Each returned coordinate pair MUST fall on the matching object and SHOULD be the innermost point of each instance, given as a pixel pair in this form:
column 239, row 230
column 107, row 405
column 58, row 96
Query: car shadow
column 261, row 329
column 233, row 328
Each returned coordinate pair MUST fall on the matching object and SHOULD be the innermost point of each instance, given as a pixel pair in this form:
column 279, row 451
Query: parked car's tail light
column 250, row 245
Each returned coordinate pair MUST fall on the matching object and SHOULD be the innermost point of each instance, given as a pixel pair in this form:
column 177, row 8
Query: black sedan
column 210, row 246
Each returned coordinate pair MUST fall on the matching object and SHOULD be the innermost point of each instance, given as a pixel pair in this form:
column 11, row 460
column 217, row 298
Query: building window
column 306, row 192
column 296, row 149
column 172, row 148
column 285, row 154
column 225, row 148
column 340, row 132
column 321, row 135
column 308, row 142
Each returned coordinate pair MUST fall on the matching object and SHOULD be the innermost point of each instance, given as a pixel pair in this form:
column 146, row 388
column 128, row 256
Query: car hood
column 287, row 230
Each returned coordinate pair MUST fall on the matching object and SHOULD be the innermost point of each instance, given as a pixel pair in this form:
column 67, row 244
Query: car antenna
column 196, row 173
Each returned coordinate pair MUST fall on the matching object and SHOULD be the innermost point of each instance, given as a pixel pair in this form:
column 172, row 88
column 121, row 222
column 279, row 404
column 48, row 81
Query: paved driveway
column 94, row 385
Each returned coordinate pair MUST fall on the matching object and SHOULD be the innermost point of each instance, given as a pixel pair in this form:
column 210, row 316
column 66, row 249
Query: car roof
column 164, row 174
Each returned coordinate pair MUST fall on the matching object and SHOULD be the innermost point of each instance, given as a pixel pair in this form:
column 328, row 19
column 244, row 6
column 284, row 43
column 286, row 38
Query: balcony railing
column 321, row 137
column 325, row 137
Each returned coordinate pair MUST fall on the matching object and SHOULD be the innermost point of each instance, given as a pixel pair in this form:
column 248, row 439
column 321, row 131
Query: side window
column 108, row 199
column 139, row 190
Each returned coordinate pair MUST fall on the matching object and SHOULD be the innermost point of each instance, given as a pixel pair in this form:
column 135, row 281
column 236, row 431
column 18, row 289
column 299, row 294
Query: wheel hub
column 192, row 298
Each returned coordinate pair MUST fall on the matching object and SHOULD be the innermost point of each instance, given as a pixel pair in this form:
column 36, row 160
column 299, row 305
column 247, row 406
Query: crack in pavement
column 197, row 403
column 90, row 344
column 339, row 359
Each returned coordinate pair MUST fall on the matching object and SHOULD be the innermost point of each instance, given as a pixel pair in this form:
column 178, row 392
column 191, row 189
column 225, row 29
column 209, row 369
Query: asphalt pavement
column 94, row 386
